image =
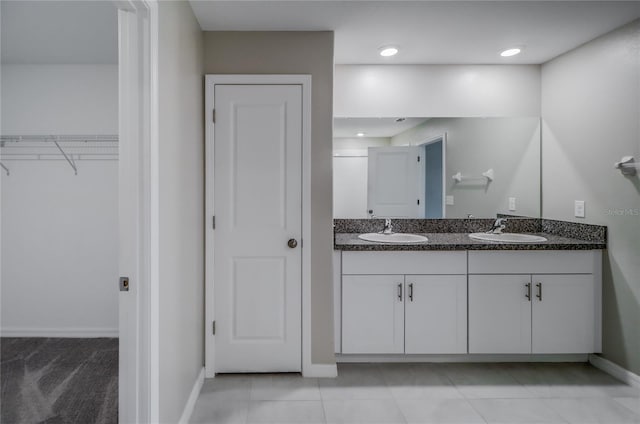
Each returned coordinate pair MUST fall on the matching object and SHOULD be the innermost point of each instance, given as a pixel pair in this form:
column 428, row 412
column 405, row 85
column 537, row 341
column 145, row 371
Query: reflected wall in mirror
column 436, row 167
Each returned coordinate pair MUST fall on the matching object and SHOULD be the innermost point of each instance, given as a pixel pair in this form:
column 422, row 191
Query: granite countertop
column 461, row 241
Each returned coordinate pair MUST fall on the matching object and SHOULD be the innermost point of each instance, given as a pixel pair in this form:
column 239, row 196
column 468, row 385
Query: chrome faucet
column 498, row 226
column 388, row 227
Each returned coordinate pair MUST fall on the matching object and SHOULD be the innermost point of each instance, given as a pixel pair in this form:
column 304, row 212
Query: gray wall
column 181, row 169
column 296, row 53
column 591, row 115
column 510, row 146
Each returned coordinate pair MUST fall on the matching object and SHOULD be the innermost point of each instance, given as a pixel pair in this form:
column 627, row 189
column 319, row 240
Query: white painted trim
column 615, row 370
column 597, row 287
column 193, row 397
column 321, row 371
column 146, row 394
column 464, row 358
column 152, row 339
column 209, row 303
column 305, row 82
column 65, row 332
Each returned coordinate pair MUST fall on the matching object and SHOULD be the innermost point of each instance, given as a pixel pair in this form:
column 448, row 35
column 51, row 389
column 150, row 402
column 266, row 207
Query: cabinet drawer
column 403, row 262
column 533, row 262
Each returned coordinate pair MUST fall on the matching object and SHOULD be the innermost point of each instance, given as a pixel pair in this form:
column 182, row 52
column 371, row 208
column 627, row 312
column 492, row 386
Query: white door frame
column 305, row 242
column 138, row 132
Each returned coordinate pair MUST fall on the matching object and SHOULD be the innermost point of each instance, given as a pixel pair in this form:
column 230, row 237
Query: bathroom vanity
column 454, row 295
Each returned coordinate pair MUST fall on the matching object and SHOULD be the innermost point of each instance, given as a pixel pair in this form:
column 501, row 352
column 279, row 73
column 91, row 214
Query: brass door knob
column 292, row 243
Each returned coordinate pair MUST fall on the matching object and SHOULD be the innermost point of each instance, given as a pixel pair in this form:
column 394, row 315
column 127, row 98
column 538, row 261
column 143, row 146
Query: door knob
column 292, row 243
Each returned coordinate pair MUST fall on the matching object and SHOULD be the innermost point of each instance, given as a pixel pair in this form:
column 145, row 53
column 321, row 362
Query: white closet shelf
column 68, row 147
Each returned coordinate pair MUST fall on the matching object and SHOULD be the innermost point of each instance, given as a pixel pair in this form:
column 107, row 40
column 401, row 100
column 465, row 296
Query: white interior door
column 258, row 218
column 395, row 186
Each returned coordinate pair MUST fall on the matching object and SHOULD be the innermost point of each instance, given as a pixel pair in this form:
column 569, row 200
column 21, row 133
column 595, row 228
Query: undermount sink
column 399, row 238
column 508, row 237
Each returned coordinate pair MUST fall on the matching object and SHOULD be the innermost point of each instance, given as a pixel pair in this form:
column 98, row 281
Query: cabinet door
column 373, row 314
column 435, row 314
column 499, row 314
column 563, row 314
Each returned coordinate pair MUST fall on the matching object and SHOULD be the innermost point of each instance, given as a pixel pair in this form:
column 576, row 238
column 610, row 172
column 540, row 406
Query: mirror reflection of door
column 470, row 146
column 406, row 181
column 395, row 184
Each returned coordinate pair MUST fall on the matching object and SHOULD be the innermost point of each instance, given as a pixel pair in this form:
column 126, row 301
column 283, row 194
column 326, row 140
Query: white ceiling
column 58, row 32
column 428, row 32
column 372, row 127
column 438, row 32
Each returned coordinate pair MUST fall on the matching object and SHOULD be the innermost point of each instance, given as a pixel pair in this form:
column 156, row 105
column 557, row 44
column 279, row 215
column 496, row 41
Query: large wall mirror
column 436, row 167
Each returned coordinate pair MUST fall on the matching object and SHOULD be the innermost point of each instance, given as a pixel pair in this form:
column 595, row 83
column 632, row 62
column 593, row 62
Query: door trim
column 138, row 66
column 308, row 368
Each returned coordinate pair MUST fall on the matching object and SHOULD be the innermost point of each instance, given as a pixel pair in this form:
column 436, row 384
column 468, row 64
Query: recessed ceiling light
column 511, row 52
column 387, row 51
column 360, row 134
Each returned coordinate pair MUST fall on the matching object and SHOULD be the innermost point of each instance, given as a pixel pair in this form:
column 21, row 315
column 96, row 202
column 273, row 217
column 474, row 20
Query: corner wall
column 297, row 53
column 591, row 118
column 181, row 220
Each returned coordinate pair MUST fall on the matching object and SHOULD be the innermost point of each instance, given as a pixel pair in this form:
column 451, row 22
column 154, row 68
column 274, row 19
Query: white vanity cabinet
column 534, row 302
column 373, row 314
column 403, row 302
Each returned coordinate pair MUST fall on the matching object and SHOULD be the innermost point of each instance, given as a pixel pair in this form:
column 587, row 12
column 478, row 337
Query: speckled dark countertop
column 461, row 241
column 453, row 234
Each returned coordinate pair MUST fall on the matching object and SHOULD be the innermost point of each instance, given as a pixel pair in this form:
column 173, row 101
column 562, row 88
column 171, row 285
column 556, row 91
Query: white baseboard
column 615, row 370
column 193, row 397
column 77, row 332
column 463, row 358
column 321, row 371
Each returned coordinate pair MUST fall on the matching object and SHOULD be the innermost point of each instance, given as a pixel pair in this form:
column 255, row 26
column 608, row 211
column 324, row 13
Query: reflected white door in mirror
column 373, row 176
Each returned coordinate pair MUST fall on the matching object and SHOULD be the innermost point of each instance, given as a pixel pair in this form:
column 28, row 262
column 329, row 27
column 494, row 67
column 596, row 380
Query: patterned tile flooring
column 424, row 393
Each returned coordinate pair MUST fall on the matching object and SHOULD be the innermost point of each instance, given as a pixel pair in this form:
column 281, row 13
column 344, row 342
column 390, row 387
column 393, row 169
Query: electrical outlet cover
column 512, row 203
column 579, row 209
column 449, row 200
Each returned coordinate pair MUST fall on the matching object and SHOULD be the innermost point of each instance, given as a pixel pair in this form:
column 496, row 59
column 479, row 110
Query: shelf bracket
column 70, row 160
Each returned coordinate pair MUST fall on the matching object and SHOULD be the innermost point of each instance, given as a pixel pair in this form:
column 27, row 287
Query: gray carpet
column 51, row 380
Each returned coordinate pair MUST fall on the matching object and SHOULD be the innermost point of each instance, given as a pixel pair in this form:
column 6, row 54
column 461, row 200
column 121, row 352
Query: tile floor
column 423, row 393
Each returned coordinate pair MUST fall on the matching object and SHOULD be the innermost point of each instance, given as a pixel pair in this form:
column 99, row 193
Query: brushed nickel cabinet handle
column 539, row 295
column 528, row 295
column 411, row 292
column 400, row 292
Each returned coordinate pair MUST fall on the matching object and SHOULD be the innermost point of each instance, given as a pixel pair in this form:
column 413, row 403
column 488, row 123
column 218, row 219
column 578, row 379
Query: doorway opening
column 434, row 151
column 65, row 160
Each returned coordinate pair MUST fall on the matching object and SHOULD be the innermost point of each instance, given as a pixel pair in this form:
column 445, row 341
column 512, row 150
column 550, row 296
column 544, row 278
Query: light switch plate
column 512, row 203
column 449, row 200
column 578, row 209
